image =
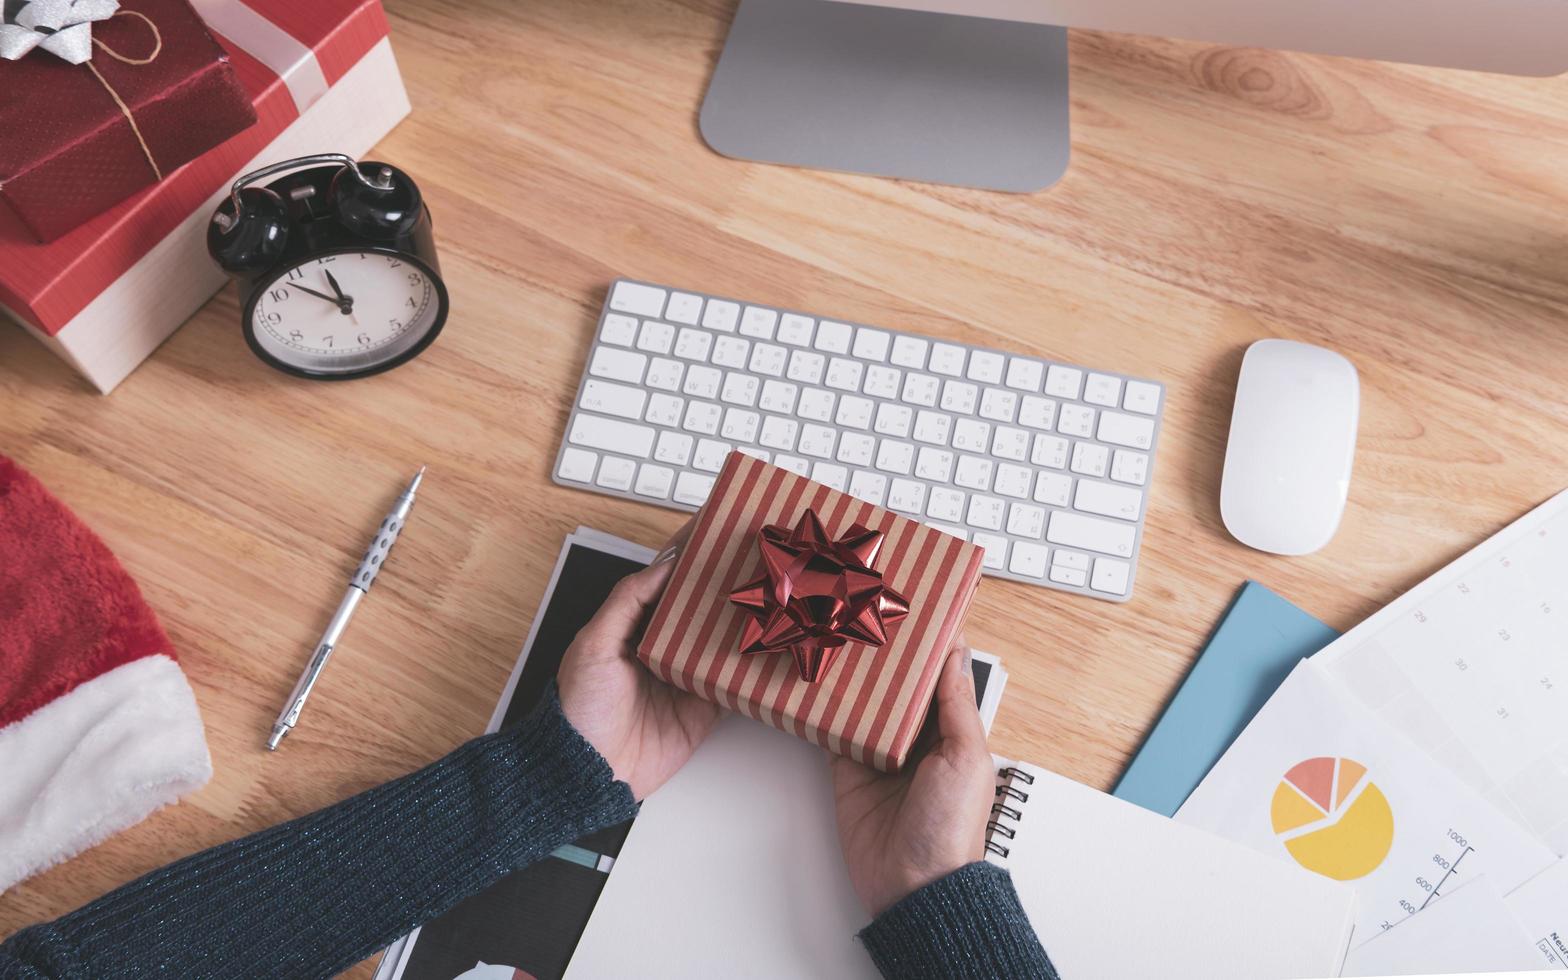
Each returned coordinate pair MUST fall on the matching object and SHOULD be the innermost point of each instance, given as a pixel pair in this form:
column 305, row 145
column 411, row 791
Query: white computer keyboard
column 1045, row 465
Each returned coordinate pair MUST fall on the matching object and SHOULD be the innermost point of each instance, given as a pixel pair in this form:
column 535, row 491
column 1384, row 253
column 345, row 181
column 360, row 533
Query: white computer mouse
column 1292, row 442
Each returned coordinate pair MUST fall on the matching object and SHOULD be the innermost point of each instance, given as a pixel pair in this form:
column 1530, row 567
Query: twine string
column 125, row 110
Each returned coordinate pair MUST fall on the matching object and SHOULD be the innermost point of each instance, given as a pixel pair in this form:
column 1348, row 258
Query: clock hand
column 345, row 302
column 307, row 289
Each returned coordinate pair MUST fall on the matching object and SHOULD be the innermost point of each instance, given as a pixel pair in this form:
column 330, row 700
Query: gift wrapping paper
column 873, row 700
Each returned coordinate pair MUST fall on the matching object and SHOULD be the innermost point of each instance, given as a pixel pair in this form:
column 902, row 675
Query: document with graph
column 1472, row 664
column 1319, row 780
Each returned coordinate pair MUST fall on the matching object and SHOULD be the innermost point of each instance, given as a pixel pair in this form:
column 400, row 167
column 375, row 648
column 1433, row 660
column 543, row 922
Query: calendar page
column 1472, row 664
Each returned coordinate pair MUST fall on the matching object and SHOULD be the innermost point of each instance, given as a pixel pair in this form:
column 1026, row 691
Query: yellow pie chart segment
column 1356, row 834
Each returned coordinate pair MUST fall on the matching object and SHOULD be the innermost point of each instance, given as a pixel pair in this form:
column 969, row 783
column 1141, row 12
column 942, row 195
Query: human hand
column 900, row 833
column 643, row 727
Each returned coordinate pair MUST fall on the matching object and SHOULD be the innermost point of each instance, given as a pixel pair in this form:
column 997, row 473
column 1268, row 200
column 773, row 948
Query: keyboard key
column 1063, row 382
column 778, row 433
column 1128, row 467
column 1075, row 420
column 868, row 486
column 995, row 550
column 1091, row 533
column 1010, row 443
column 947, row 359
column 768, row 359
column 894, row 456
column 1026, row 521
column 758, row 321
column 806, row 367
column 960, row 533
column 1102, row 389
column 796, row 465
column 1024, row 374
column 702, row 417
column 920, row 389
column 833, row 337
column 617, row 365
column 740, row 425
column 907, row 496
column 655, row 337
column 1142, row 397
column 1012, row 481
column 683, row 308
column 1037, row 412
column 909, row 352
column 871, row 345
column 754, row 452
column 692, row 488
column 959, row 396
column 1089, row 459
column 1071, row 559
column 1049, row 451
column 721, row 315
column 778, row 396
column 611, row 435
column 703, row 381
column 894, row 420
column 844, row 374
column 665, row 410
column 816, row 440
column 883, row 382
column 831, row 475
column 739, row 389
column 1028, row 559
column 796, row 330
column 1069, row 576
column 618, row 330
column 998, row 405
column 1108, row 500
column 972, row 436
column 946, row 504
column 1110, row 576
column 674, row 448
column 933, row 428
column 632, row 297
column 855, row 448
column 664, row 374
column 693, row 344
column 654, row 481
column 935, row 465
column 854, row 412
column 973, row 472
column 616, row 473
column 986, row 367
column 1053, row 488
column 577, row 465
column 816, row 404
column 986, row 512
column 1126, row 430
column 731, row 352
column 710, row 455
column 608, row 398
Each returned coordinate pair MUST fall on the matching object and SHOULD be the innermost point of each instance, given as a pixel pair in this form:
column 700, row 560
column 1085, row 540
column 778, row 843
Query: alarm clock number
column 344, row 312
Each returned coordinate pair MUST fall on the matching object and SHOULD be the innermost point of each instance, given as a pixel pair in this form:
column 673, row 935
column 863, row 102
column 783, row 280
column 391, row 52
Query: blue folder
column 1257, row 643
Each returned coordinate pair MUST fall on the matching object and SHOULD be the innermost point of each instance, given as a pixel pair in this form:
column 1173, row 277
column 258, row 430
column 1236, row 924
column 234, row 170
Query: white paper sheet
column 1541, row 906
column 1319, row 779
column 1468, row 930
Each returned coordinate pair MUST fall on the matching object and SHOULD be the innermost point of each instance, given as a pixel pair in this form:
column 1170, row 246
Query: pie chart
column 1332, row 818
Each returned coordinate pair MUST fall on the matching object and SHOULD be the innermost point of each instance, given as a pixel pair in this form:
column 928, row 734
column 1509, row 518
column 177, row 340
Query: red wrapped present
column 813, row 611
column 157, row 92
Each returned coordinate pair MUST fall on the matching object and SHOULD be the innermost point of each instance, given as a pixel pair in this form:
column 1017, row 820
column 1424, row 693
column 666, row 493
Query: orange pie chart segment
column 1344, row 824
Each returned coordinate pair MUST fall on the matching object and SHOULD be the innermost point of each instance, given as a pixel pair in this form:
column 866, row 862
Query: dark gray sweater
column 312, row 897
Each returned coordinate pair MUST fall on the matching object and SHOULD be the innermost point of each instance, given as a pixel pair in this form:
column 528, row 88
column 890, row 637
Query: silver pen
column 364, row 576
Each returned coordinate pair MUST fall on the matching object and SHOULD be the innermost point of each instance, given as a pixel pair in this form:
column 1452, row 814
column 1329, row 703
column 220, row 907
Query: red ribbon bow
column 816, row 595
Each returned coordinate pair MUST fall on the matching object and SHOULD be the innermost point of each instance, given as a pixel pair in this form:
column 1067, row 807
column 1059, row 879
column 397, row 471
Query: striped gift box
column 871, row 702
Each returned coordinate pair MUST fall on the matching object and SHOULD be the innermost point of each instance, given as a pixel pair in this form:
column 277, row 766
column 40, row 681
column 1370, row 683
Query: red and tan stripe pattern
column 872, row 701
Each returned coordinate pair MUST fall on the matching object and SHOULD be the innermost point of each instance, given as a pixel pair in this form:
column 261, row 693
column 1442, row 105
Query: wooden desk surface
column 1413, row 219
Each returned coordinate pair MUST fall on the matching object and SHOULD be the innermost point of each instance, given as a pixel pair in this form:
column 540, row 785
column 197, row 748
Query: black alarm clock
column 336, row 263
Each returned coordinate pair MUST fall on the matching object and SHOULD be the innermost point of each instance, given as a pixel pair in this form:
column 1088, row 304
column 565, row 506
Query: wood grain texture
column 1411, row 218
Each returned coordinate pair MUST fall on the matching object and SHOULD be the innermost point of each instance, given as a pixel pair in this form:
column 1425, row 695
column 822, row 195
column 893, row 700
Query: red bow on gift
column 816, row 595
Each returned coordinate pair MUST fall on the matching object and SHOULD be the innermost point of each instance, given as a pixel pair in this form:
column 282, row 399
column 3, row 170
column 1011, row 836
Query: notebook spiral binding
column 1002, row 811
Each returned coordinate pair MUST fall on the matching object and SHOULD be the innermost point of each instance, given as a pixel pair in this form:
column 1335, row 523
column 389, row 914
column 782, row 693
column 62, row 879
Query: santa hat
column 98, row 727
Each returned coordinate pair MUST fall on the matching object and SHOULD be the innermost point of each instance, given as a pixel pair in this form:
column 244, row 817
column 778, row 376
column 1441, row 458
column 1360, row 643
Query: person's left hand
column 643, row 727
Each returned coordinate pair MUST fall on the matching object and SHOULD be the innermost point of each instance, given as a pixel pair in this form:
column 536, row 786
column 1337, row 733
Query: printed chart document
column 1468, row 930
column 1541, row 906
column 1319, row 780
column 1472, row 665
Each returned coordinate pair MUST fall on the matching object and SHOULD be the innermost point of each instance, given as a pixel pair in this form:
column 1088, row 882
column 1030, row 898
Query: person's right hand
column 900, row 833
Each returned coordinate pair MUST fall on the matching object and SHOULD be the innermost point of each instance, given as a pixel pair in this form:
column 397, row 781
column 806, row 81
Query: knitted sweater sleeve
column 313, row 896
column 968, row 924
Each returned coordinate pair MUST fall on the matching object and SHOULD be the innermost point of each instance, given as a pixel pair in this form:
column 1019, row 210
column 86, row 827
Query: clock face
column 347, row 313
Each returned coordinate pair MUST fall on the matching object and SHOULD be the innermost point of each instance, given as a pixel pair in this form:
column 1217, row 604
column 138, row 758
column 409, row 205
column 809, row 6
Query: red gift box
column 871, row 699
column 158, row 92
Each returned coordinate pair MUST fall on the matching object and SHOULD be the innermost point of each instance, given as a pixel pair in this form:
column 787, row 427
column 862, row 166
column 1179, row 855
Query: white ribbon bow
column 63, row 28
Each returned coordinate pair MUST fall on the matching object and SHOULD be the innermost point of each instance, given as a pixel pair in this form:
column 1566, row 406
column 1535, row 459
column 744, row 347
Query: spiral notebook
column 755, row 887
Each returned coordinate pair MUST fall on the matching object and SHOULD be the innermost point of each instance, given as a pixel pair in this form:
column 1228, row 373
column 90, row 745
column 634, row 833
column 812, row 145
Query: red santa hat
column 98, row 727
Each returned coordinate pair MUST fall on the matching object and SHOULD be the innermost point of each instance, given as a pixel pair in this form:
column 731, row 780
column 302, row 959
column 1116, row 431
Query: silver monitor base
column 891, row 92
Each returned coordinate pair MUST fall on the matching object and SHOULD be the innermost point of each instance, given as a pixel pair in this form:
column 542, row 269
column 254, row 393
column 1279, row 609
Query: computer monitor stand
column 892, row 92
